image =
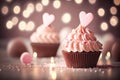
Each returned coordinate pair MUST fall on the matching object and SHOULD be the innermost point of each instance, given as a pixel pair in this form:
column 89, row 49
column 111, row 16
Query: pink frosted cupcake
column 45, row 41
column 81, row 48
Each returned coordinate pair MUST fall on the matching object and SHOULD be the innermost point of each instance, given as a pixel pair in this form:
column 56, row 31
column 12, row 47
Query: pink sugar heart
column 85, row 19
column 48, row 19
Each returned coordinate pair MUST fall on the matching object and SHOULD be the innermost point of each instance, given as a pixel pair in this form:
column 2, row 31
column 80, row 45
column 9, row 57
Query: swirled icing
column 45, row 35
column 81, row 39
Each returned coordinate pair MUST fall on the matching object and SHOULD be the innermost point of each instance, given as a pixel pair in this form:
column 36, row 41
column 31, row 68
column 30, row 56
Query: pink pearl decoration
column 26, row 58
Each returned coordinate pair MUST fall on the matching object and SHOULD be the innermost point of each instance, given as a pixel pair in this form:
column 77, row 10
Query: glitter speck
column 103, row 72
column 100, row 70
column 90, row 70
column 85, row 70
column 95, row 71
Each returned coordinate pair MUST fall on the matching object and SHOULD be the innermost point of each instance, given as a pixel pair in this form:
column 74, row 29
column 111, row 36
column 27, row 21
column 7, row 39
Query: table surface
column 43, row 69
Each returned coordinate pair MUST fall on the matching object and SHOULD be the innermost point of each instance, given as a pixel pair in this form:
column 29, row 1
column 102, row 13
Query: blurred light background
column 22, row 17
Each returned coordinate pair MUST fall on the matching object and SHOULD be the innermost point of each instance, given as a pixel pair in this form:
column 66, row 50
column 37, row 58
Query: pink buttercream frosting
column 45, row 34
column 81, row 39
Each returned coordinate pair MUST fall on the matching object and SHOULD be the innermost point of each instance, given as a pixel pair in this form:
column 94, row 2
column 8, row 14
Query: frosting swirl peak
column 45, row 34
column 81, row 39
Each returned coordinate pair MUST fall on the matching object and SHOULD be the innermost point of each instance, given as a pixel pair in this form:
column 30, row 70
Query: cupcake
column 45, row 40
column 80, row 48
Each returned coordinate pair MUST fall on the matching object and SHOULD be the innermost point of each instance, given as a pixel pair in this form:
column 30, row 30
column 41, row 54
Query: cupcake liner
column 81, row 59
column 44, row 49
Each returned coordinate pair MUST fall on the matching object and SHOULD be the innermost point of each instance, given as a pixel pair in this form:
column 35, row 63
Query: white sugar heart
column 48, row 19
column 85, row 19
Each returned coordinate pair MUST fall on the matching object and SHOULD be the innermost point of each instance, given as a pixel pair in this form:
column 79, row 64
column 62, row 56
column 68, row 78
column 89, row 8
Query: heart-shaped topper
column 48, row 19
column 85, row 19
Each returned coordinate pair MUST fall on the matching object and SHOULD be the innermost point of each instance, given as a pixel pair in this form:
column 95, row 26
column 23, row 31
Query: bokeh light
column 39, row 7
column 57, row 4
column 16, row 9
column 4, row 10
column 78, row 1
column 92, row 1
column 104, row 26
column 45, row 2
column 116, row 2
column 108, row 55
column 15, row 12
column 30, row 8
column 9, row 24
column 66, row 17
column 30, row 26
column 8, row 0
column 108, row 37
column 101, row 12
column 64, row 32
column 109, row 71
column 26, row 14
column 15, row 20
column 113, row 21
column 113, row 10
column 22, row 25
column 53, row 75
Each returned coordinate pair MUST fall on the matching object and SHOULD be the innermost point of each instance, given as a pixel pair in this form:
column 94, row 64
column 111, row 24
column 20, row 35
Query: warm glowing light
column 92, row 1
column 68, row 0
column 4, row 10
column 45, row 2
column 113, row 10
column 113, row 21
column 9, row 24
column 108, row 55
column 66, row 18
column 34, row 55
column 101, row 12
column 52, row 60
column 53, row 75
column 26, row 14
column 100, row 62
column 78, row 1
column 22, row 25
column 108, row 37
column 100, row 56
column 109, row 72
column 30, row 26
column 15, row 20
column 39, row 7
column 56, row 4
column 16, row 9
column 30, row 8
column 34, row 58
column 52, row 63
column 117, row 2
column 8, row 0
column 35, row 72
column 104, row 26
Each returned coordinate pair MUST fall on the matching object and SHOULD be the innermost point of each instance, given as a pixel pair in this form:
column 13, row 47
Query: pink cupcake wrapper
column 45, row 50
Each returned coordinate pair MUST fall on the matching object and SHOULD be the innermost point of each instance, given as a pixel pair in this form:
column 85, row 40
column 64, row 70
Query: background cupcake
column 81, row 48
column 45, row 40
